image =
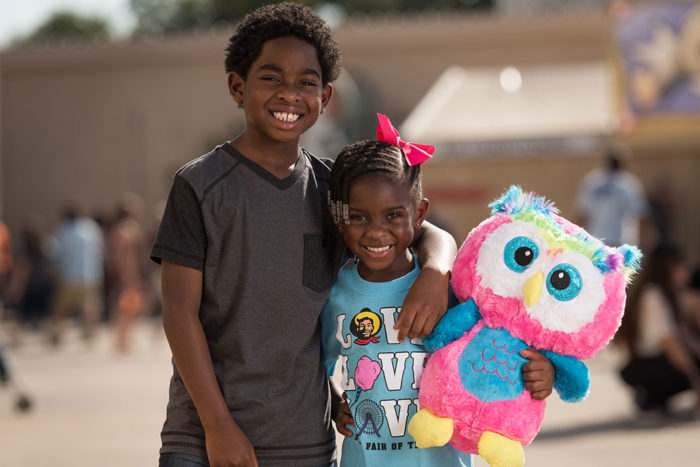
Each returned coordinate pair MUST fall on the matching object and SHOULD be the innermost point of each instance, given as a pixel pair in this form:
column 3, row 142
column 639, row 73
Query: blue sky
column 19, row 17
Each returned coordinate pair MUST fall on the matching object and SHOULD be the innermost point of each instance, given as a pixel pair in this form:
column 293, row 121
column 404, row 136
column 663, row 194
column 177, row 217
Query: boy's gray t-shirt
column 268, row 252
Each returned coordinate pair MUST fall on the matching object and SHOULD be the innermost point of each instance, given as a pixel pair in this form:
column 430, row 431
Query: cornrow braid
column 364, row 158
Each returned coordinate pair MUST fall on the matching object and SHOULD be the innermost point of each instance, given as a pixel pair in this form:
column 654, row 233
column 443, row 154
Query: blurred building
column 506, row 99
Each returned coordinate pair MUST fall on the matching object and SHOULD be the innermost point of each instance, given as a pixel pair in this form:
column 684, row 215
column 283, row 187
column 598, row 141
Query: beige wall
column 98, row 120
column 94, row 122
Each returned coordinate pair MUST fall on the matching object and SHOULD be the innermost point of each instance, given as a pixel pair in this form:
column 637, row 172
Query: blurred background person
column 126, row 266
column 153, row 271
column 662, row 210
column 5, row 259
column 610, row 202
column 691, row 302
column 654, row 330
column 33, row 279
column 104, row 219
column 78, row 254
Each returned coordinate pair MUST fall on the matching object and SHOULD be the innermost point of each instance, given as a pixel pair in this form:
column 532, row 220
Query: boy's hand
column 424, row 305
column 343, row 417
column 228, row 446
column 538, row 374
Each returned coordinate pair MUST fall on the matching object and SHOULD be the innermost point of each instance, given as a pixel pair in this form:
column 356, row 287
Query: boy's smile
column 383, row 219
column 283, row 94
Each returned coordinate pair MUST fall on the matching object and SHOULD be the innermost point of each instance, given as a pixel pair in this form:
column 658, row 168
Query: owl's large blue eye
column 564, row 282
column 519, row 253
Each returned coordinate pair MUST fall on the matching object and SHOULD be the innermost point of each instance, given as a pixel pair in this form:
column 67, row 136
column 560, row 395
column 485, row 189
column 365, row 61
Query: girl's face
column 680, row 275
column 383, row 221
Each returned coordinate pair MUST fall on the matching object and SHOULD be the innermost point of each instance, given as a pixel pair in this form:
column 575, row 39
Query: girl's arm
column 340, row 410
column 182, row 291
column 673, row 338
column 426, row 302
column 690, row 321
column 680, row 358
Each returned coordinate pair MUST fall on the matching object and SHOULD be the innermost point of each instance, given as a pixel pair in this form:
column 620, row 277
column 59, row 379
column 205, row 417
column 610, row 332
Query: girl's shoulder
column 652, row 293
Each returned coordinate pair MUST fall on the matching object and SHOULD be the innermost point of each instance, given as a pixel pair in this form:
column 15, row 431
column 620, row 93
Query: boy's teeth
column 286, row 117
column 378, row 250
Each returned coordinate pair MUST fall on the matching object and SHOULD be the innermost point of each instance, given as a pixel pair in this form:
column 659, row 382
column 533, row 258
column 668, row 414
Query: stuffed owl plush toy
column 525, row 278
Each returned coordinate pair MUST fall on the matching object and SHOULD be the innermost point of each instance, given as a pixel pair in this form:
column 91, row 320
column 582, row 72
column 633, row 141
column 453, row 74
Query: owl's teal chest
column 491, row 366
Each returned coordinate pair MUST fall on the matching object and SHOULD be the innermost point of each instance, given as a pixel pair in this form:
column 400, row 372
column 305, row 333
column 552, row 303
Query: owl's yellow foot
column 430, row 430
column 500, row 451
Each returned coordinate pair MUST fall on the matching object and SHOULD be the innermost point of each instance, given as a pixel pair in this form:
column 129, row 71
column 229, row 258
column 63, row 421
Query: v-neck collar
column 282, row 183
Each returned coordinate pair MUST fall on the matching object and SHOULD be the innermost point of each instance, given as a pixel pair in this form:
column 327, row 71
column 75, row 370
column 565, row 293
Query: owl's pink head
column 544, row 279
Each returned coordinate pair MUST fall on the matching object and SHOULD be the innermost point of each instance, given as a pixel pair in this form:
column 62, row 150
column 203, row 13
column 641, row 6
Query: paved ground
column 95, row 408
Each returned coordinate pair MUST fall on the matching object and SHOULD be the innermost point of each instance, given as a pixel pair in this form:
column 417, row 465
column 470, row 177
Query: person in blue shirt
column 376, row 201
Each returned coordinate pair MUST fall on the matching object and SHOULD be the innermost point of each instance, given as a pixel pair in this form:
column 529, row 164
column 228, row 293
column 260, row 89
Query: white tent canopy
column 472, row 105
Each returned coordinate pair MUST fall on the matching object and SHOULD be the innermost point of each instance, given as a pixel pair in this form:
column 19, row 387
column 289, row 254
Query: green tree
column 68, row 26
column 396, row 6
column 163, row 16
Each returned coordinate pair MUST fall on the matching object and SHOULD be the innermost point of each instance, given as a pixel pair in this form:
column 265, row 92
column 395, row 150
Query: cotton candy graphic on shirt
column 366, row 374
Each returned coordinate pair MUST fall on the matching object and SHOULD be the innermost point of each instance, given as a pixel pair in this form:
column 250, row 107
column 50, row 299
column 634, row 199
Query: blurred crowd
column 87, row 271
column 90, row 271
column 660, row 330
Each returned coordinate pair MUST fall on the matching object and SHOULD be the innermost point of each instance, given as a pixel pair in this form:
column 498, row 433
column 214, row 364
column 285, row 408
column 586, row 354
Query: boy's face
column 382, row 220
column 283, row 94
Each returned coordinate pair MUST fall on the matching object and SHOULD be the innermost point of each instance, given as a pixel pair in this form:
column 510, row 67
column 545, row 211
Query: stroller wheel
column 23, row 404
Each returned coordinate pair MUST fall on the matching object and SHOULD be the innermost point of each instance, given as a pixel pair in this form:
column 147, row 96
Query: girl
column 662, row 362
column 376, row 201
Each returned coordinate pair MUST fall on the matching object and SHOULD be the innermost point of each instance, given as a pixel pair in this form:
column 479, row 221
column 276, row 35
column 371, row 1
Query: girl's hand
column 538, row 374
column 228, row 446
column 424, row 305
column 343, row 417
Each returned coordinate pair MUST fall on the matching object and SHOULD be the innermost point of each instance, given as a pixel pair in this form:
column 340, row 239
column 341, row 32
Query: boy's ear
column 326, row 94
column 236, row 86
column 421, row 212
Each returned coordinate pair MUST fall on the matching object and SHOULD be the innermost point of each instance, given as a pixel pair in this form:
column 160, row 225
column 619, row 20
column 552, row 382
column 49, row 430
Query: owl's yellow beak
column 533, row 289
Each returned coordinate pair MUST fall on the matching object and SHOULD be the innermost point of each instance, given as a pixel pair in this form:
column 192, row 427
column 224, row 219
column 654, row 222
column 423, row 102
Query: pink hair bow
column 415, row 153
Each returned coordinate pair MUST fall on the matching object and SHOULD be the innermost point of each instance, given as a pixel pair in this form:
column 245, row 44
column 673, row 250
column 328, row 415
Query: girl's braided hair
column 369, row 158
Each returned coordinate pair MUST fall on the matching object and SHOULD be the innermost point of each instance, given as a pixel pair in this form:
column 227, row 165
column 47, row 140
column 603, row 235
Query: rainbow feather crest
column 533, row 208
column 515, row 201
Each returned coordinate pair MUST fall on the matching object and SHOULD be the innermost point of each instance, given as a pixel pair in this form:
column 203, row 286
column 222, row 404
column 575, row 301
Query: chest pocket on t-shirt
column 319, row 261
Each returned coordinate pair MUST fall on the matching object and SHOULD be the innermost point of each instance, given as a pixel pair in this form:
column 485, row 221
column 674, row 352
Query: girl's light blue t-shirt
column 380, row 375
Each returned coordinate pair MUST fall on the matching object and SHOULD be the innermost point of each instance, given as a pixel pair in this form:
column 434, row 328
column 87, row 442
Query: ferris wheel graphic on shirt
column 369, row 418
column 365, row 326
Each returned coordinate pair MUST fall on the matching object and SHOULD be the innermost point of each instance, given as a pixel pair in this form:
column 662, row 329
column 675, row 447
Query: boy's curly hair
column 281, row 20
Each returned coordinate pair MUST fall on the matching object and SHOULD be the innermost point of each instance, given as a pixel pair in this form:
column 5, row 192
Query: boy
column 249, row 254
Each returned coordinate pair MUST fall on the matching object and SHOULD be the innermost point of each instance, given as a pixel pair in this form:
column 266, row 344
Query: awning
column 496, row 106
